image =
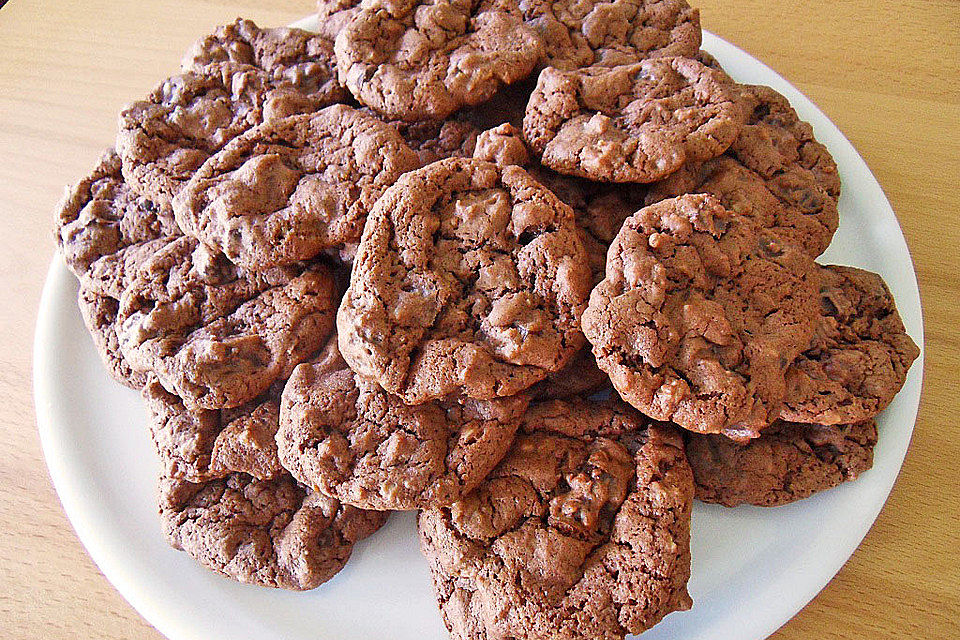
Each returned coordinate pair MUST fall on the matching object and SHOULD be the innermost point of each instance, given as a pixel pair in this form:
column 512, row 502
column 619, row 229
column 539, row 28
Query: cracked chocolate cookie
column 599, row 211
column 101, row 215
column 609, row 33
column 272, row 533
column 226, row 500
column 189, row 117
column 503, row 146
column 101, row 288
column 582, row 531
column 218, row 336
column 293, row 187
column 860, row 354
column 352, row 440
column 788, row 462
column 421, row 60
column 294, row 58
column 632, row 123
column 775, row 173
column 99, row 313
column 203, row 444
column 469, row 280
column 700, row 314
column 103, row 231
column 333, row 16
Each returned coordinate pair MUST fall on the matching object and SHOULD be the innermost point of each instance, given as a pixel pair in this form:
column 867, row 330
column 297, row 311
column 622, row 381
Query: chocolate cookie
column 104, row 230
column 101, row 288
column 293, row 187
column 101, row 215
column 469, row 280
column 272, row 533
column 612, row 32
column 860, row 354
column 99, row 313
column 189, row 117
column 503, row 146
column 226, row 500
column 202, row 444
column 333, row 16
column 599, row 211
column 775, row 173
column 99, row 305
column 417, row 60
column 216, row 335
column 700, row 314
column 352, row 440
column 301, row 60
column 774, row 139
column 788, row 462
column 632, row 123
column 582, row 531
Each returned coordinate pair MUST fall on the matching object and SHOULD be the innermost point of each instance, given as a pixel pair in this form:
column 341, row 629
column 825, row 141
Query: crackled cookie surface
column 632, row 123
column 99, row 313
column 102, row 286
column 417, row 60
column 203, row 444
column 599, row 211
column 104, row 231
column 333, row 16
column 271, row 533
column 164, row 138
column 352, row 440
column 218, row 336
column 101, row 215
column 612, row 32
column 293, row 187
column 788, row 462
column 302, row 61
column 775, row 173
column 582, row 531
column 469, row 280
column 700, row 314
column 860, row 354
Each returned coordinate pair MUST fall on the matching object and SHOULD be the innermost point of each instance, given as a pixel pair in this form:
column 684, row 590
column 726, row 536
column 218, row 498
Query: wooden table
column 887, row 73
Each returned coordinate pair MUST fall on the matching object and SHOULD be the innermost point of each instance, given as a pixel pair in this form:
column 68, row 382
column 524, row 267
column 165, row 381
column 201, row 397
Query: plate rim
column 78, row 510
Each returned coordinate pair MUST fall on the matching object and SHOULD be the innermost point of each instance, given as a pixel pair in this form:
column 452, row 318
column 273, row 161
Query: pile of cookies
column 539, row 270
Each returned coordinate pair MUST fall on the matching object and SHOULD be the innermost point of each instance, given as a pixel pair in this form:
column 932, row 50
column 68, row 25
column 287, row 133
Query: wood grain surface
column 887, row 73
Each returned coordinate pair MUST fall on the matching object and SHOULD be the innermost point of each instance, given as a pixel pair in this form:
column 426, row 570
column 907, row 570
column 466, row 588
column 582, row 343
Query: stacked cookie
column 541, row 271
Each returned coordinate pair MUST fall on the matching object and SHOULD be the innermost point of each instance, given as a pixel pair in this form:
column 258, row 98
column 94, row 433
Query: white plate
column 753, row 569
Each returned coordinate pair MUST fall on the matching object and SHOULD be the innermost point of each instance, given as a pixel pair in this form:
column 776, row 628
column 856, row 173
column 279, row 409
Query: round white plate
column 753, row 569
